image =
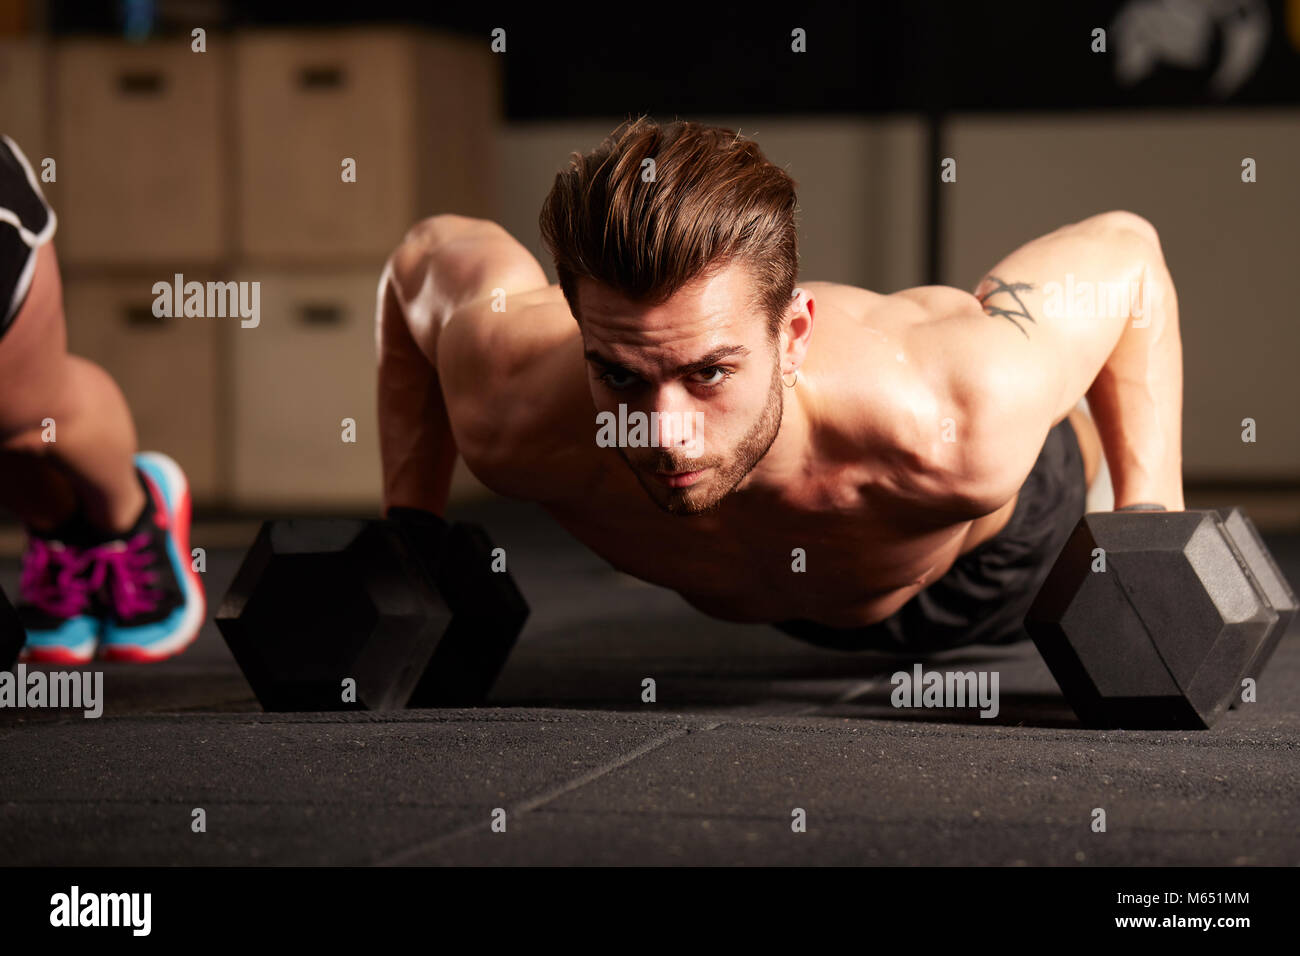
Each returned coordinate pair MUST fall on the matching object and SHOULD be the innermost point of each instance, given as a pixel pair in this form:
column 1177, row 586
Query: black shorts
column 26, row 221
column 985, row 595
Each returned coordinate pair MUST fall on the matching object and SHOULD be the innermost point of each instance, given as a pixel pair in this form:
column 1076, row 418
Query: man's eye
column 714, row 376
column 616, row 379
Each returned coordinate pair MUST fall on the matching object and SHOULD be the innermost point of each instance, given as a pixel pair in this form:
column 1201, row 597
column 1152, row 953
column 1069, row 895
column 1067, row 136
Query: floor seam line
column 554, row 793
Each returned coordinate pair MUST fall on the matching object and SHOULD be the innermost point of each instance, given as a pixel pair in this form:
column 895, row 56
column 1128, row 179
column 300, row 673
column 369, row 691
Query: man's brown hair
column 714, row 200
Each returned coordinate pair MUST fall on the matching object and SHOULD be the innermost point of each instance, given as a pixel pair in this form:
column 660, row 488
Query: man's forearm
column 417, row 293
column 417, row 449
column 1137, row 397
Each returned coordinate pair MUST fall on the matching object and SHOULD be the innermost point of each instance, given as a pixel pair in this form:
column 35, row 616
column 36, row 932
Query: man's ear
column 798, row 327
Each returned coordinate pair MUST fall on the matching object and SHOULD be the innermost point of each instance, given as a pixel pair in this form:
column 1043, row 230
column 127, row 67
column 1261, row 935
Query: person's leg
column 107, row 566
column 45, row 392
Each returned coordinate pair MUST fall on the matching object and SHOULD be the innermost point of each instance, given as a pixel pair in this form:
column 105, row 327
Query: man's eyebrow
column 592, row 355
column 712, row 358
column 704, row 361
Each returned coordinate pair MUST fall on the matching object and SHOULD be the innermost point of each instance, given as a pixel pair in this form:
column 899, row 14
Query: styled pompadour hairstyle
column 710, row 199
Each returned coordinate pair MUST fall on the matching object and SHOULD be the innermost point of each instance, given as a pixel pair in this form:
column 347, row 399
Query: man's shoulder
column 923, row 410
column 517, row 397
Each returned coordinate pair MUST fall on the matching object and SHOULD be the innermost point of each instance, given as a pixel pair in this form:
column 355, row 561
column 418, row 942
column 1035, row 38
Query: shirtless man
column 872, row 471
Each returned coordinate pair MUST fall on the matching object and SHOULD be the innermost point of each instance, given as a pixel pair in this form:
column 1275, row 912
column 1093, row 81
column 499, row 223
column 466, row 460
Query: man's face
column 703, row 363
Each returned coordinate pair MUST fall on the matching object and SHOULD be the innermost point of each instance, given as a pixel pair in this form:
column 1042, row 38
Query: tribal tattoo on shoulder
column 1005, row 309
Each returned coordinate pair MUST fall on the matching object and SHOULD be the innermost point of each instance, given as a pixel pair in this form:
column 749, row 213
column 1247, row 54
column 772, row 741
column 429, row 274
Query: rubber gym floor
column 749, row 726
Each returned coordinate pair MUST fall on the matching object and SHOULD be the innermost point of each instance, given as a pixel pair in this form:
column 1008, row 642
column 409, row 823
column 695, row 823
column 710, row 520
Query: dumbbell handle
column 1142, row 506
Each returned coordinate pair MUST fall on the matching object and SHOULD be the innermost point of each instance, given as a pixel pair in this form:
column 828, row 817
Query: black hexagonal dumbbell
column 1149, row 619
column 329, row 614
column 1271, row 581
column 488, row 610
column 12, row 634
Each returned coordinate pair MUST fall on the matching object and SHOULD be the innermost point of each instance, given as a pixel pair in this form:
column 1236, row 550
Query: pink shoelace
column 55, row 579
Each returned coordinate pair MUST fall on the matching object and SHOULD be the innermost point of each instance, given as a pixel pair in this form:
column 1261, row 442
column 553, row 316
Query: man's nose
column 676, row 419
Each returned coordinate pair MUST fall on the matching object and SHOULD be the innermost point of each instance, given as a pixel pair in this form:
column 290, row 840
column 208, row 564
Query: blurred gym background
column 225, row 165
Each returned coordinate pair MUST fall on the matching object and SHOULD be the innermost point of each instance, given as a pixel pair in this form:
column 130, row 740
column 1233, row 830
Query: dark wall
column 582, row 59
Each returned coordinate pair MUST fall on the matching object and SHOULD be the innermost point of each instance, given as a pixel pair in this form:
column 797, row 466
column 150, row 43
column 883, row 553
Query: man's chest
column 770, row 561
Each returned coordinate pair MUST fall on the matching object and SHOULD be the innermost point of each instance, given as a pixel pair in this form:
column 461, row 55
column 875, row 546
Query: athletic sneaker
column 153, row 599
column 56, row 600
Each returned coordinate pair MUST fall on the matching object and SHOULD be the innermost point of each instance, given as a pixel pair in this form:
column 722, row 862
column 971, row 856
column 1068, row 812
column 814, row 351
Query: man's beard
column 705, row 496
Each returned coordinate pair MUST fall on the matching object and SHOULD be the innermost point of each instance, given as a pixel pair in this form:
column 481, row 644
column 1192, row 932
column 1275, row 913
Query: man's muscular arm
column 1042, row 347
column 444, row 264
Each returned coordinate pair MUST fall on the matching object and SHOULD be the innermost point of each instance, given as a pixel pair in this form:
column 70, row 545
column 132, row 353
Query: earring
column 791, row 384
